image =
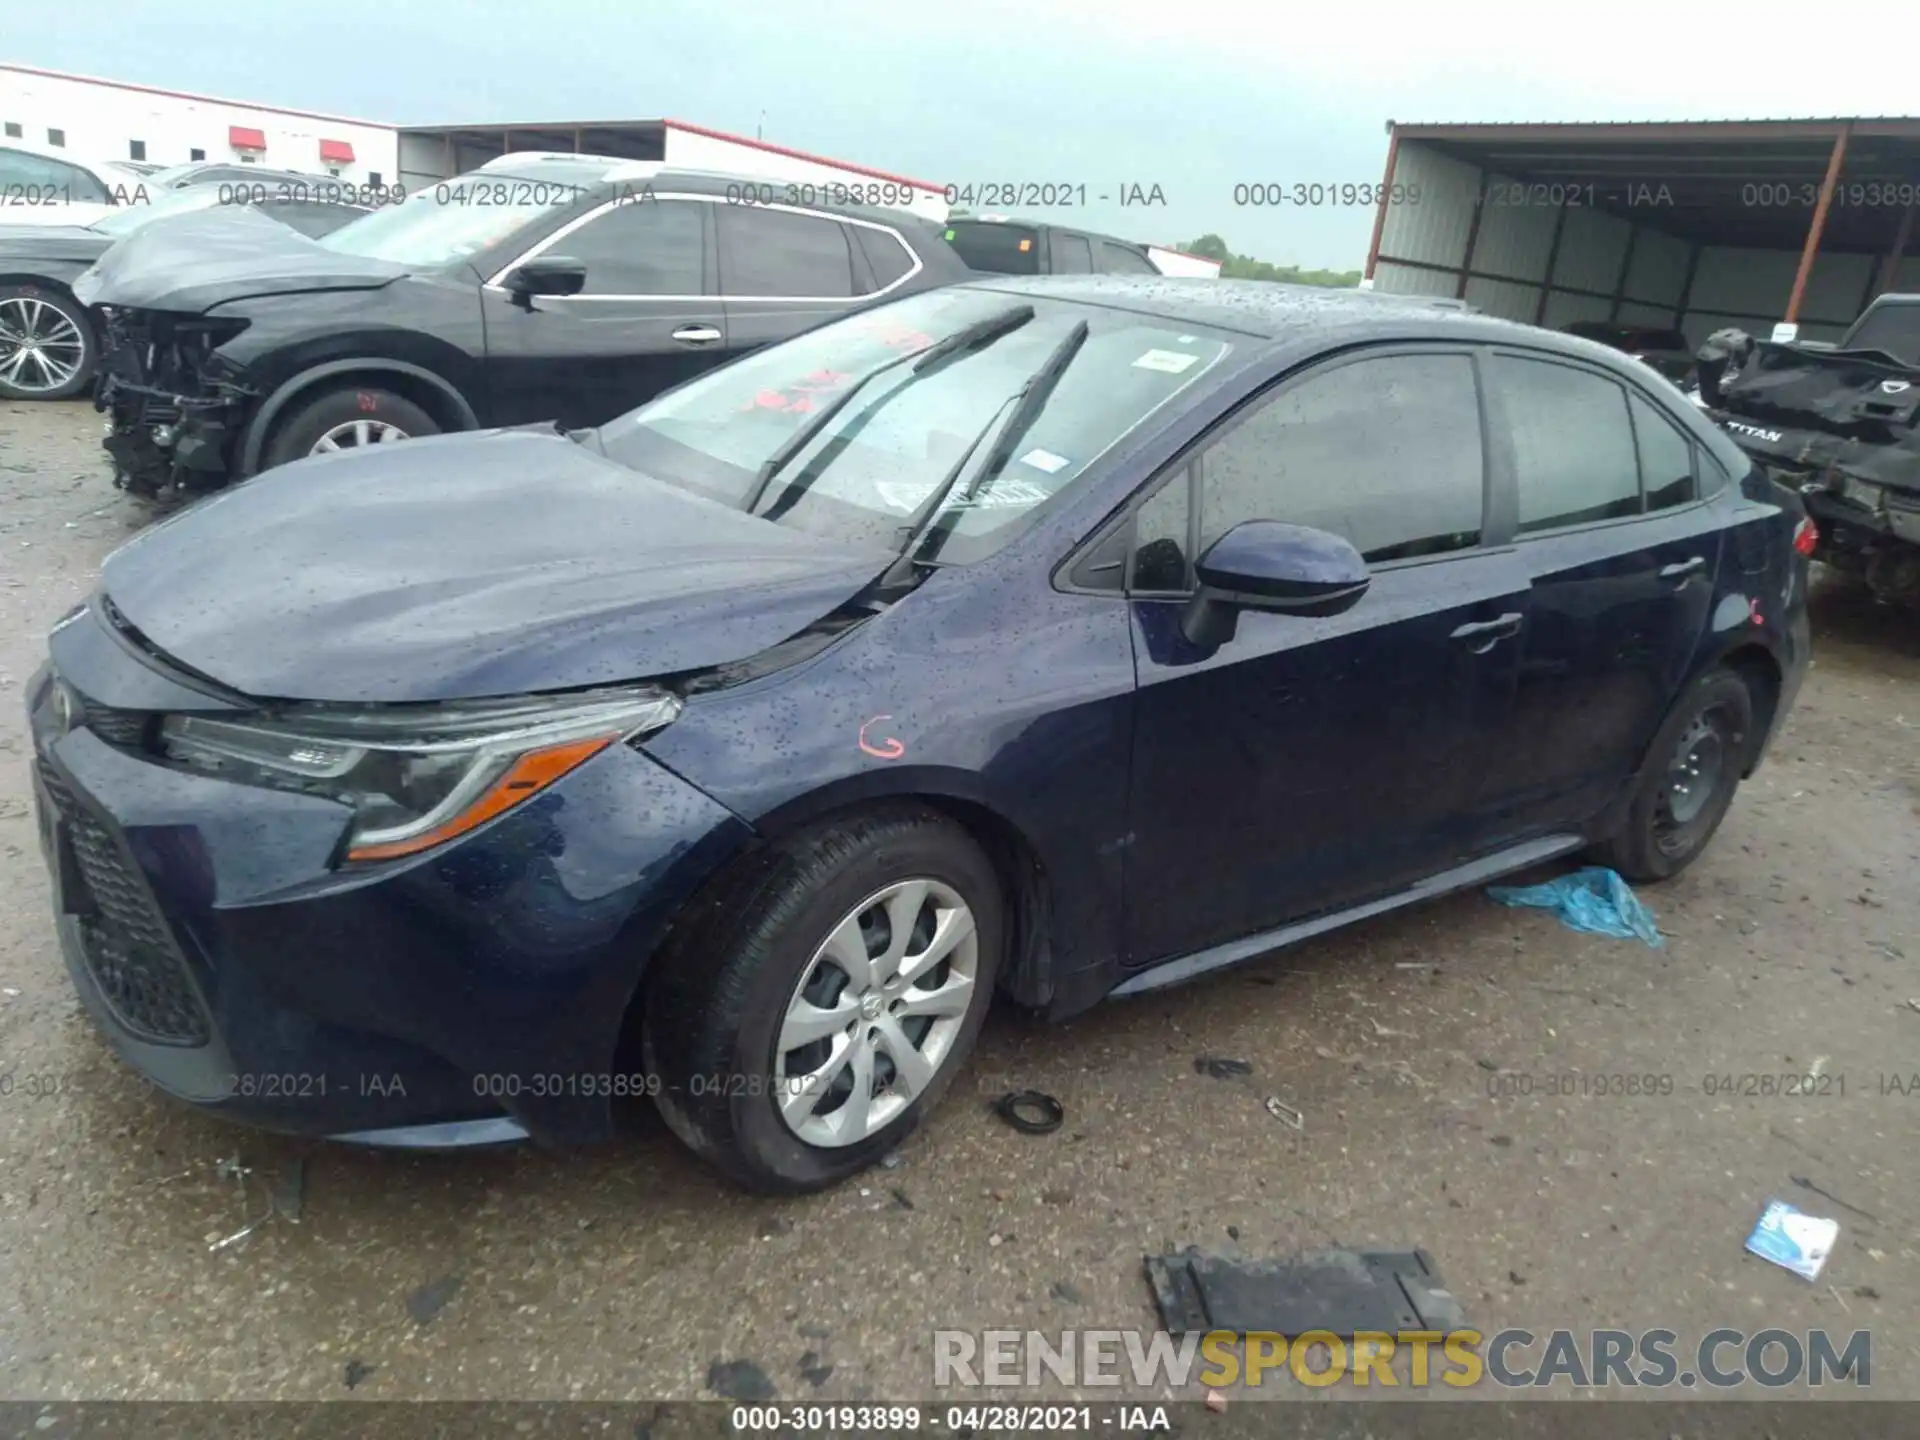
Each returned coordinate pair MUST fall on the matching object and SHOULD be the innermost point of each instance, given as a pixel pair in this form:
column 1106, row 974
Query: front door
column 648, row 318
column 1307, row 764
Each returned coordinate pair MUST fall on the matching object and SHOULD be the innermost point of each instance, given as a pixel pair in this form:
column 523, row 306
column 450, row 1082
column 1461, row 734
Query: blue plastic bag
column 1595, row 900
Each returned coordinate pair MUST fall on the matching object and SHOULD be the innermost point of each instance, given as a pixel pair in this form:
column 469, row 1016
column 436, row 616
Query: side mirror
column 545, row 275
column 1267, row 565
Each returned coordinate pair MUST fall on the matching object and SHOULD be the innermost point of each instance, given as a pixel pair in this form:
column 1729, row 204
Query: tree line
column 1245, row 267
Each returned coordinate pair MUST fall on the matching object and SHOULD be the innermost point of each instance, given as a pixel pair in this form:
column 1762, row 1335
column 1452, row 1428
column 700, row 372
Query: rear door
column 1621, row 554
column 1069, row 253
column 784, row 270
column 1307, row 763
column 649, row 316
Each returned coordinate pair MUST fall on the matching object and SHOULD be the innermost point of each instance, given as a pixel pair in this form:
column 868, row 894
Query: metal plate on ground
column 1343, row 1292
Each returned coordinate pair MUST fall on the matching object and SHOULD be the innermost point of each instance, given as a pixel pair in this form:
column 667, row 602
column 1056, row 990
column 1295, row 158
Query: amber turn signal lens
column 529, row 775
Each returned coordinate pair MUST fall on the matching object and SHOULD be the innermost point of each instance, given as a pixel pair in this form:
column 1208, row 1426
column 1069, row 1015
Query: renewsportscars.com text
column 1508, row 1359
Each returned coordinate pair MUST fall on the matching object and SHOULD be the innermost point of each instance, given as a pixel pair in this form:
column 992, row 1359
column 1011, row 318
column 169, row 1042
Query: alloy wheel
column 355, row 433
column 876, row 1013
column 41, row 347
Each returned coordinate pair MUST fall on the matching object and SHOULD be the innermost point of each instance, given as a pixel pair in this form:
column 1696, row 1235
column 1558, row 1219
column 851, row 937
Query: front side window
column 454, row 220
column 1384, row 452
column 778, row 253
column 651, row 247
column 1574, row 456
column 883, row 456
column 1119, row 260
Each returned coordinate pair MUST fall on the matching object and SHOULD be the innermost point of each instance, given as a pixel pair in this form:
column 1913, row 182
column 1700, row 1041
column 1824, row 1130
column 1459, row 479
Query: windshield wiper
column 1027, row 404
column 922, row 360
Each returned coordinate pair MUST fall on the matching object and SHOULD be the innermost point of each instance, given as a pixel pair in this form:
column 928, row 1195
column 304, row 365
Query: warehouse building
column 1691, row 225
column 95, row 120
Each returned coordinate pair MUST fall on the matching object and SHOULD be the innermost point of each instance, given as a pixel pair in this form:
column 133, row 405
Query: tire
column 1666, row 829
column 340, row 412
column 65, row 334
column 758, row 945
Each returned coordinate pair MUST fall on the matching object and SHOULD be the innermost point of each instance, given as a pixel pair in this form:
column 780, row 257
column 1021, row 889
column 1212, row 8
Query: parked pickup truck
column 1838, row 423
column 1015, row 247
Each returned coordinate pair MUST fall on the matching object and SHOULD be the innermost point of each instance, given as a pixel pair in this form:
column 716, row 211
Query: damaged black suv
column 539, row 287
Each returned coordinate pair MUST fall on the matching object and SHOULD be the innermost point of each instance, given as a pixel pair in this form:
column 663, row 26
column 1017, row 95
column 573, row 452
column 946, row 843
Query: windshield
column 1892, row 328
column 887, row 451
column 126, row 219
column 451, row 221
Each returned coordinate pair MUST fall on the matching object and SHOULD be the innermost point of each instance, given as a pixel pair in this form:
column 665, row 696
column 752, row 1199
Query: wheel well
column 428, row 396
column 1025, row 978
column 1760, row 672
column 60, row 288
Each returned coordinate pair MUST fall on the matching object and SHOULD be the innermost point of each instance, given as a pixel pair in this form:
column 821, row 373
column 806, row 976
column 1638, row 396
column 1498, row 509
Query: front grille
column 125, row 728
column 128, row 947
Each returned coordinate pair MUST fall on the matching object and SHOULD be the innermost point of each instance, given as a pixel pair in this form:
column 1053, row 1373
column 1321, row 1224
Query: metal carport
column 1691, row 224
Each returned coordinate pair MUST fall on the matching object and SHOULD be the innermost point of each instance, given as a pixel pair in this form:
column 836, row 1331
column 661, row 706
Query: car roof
column 1271, row 309
column 565, row 167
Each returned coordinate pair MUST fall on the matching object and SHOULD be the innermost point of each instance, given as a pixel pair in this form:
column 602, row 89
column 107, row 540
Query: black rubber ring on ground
column 1010, row 1107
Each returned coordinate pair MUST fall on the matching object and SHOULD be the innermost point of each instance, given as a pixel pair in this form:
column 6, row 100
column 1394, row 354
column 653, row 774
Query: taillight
column 1805, row 536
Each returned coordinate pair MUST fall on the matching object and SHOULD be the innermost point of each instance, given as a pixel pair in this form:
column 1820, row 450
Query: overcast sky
column 1191, row 95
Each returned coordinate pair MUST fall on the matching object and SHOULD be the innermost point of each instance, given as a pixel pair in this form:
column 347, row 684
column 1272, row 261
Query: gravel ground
column 626, row 1272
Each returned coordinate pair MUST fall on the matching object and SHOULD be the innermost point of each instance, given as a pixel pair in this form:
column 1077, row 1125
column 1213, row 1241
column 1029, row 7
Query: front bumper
column 171, row 422
column 464, row 996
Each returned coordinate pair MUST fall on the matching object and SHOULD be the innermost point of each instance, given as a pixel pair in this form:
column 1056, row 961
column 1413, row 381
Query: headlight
column 418, row 777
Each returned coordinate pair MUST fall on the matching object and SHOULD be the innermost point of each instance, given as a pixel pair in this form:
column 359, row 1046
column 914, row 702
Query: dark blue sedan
column 1061, row 638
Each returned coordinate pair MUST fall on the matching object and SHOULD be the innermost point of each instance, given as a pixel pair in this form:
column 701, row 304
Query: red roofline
column 189, row 95
column 792, row 154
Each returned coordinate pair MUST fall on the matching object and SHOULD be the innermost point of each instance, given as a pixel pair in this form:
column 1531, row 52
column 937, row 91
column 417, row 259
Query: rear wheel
column 1693, row 768
column 47, row 345
column 822, row 1005
column 348, row 417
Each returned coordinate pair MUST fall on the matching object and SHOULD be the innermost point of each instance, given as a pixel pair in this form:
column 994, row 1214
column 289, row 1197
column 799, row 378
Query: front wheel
column 820, row 1006
column 1692, row 769
column 47, row 345
column 349, row 417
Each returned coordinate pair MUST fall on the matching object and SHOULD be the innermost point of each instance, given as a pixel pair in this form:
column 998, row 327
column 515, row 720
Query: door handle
column 1482, row 635
column 696, row 334
column 1682, row 569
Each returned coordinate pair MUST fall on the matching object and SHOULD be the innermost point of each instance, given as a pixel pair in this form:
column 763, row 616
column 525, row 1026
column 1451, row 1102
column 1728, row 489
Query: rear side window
column 780, row 254
column 885, row 255
column 1000, row 249
column 1385, row 452
column 1072, row 255
column 650, row 249
column 1666, row 457
column 1119, row 260
column 35, row 179
column 1574, row 453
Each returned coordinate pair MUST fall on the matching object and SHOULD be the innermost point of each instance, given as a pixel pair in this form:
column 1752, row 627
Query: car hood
column 51, row 242
column 492, row 563
column 190, row 263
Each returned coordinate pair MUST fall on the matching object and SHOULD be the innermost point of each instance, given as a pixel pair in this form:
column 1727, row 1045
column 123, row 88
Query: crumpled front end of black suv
column 176, row 406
